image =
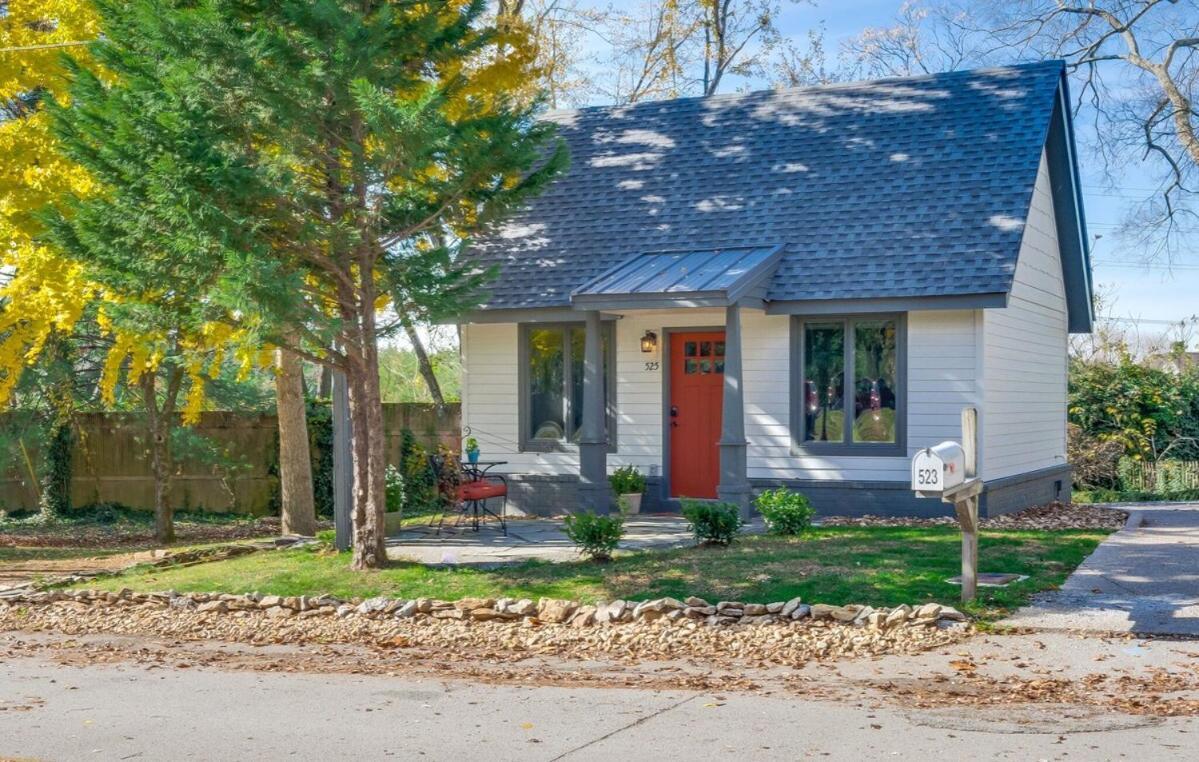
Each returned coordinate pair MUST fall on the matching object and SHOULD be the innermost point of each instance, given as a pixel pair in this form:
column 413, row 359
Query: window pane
column 874, row 369
column 689, row 349
column 547, row 380
column 578, row 343
column 824, row 382
column 705, row 349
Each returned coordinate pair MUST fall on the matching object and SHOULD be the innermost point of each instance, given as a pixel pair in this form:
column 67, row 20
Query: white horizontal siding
column 1024, row 354
column 942, row 378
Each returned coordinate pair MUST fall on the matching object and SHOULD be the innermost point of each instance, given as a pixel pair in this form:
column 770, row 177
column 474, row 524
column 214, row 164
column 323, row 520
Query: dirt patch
column 1156, row 692
column 17, row 573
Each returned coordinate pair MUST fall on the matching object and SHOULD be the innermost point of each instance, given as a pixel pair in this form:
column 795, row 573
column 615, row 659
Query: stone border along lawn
column 783, row 632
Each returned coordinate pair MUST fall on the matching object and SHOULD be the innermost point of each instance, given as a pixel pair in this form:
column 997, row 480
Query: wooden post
column 966, row 508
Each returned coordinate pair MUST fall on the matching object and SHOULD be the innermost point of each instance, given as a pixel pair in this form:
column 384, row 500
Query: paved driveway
column 1144, row 579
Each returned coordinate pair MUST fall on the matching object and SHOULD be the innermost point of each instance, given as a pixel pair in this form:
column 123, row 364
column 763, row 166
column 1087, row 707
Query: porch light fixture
column 649, row 342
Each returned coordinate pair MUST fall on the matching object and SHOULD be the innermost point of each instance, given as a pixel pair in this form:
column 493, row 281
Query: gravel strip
column 1053, row 516
column 778, row 642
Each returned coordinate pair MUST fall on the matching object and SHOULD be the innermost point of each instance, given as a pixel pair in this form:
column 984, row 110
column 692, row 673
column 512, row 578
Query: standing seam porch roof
column 721, row 276
column 898, row 188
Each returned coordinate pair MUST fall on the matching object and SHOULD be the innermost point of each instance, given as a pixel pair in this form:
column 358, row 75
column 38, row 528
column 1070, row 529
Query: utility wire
column 46, row 46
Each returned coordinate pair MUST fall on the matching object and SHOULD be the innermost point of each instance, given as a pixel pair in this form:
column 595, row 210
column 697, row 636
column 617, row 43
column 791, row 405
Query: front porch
column 527, row 540
column 593, row 391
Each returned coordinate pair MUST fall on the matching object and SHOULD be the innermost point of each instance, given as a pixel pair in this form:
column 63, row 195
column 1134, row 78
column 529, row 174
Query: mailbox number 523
column 927, row 477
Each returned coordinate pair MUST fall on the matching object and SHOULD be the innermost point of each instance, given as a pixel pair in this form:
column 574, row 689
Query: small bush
column 627, row 481
column 394, row 492
column 712, row 523
column 786, row 512
column 596, row 536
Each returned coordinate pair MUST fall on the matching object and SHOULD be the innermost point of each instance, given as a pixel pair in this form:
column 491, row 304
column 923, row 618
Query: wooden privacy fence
column 231, row 470
column 1163, row 477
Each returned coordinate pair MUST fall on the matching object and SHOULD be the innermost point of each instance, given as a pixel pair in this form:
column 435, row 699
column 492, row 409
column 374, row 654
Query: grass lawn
column 881, row 566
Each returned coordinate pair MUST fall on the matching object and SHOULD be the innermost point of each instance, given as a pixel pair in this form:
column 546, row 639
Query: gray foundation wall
column 553, row 495
column 1015, row 493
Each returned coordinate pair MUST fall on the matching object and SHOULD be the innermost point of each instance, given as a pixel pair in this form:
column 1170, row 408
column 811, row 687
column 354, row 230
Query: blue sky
column 1150, row 294
column 1147, row 294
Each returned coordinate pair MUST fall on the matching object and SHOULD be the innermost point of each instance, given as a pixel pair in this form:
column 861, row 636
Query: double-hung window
column 551, row 384
column 848, row 381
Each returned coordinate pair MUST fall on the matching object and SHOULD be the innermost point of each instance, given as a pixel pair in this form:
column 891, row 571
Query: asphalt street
column 129, row 711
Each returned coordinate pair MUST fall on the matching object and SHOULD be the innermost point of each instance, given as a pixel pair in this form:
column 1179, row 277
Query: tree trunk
column 295, row 464
column 55, row 499
column 56, row 471
column 325, row 389
column 426, row 367
column 158, row 428
column 366, row 416
column 369, row 453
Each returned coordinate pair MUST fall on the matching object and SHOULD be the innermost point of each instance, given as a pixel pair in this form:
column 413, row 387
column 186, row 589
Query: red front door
column 696, row 394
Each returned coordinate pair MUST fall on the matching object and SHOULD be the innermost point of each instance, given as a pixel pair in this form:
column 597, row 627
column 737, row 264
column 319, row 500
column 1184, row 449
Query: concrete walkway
column 1143, row 579
column 528, row 539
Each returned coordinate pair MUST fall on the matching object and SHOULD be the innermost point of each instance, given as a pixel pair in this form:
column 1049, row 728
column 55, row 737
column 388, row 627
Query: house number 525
column 652, row 365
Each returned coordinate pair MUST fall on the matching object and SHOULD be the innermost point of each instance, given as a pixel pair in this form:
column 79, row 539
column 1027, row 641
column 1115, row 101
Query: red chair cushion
column 481, row 490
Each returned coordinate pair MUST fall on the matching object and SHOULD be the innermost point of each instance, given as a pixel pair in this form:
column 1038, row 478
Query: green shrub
column 712, row 523
column 596, row 536
column 320, row 448
column 420, row 481
column 627, row 481
column 786, row 512
column 394, row 489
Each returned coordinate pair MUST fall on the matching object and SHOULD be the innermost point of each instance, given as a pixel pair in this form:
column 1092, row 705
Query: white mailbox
column 939, row 469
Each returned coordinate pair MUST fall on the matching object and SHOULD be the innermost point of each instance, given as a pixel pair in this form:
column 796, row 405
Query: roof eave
column 888, row 304
column 1073, row 247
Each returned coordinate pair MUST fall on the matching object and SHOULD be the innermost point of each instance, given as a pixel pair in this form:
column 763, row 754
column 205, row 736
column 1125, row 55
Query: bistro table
column 478, row 486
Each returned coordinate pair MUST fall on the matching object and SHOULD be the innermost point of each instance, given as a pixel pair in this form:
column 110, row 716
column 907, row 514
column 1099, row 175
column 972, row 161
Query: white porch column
column 594, row 492
column 734, row 484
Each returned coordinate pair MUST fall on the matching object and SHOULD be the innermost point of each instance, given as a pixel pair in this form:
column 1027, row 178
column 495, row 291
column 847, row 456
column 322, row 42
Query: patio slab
column 528, row 539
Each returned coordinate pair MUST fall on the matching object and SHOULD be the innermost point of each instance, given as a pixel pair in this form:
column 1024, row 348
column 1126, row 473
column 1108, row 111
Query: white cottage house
column 799, row 287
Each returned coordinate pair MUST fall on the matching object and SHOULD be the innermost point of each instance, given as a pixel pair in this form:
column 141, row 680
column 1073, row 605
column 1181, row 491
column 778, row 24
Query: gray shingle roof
column 896, row 188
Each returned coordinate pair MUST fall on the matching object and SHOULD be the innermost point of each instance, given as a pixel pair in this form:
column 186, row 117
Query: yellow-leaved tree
column 44, row 296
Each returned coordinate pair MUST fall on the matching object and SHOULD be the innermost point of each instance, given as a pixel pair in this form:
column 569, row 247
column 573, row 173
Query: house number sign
column 652, row 366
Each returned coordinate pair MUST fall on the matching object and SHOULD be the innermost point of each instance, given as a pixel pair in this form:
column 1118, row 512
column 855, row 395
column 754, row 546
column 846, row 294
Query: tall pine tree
column 284, row 166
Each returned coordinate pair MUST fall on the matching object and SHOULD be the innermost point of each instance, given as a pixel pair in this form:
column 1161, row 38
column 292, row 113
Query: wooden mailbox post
column 950, row 471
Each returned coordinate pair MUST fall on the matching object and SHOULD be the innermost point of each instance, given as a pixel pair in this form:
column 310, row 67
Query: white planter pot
column 632, row 502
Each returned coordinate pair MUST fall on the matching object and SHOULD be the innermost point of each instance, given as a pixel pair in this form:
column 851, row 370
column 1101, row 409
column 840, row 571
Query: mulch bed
column 1053, row 516
column 126, row 535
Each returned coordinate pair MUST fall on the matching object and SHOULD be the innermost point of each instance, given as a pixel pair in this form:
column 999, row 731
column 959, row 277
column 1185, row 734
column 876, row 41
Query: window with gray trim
column 551, row 383
column 848, row 394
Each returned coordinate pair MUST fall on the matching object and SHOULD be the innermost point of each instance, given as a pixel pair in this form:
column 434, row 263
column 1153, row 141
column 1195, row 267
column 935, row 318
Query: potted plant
column 472, row 450
column 629, row 484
